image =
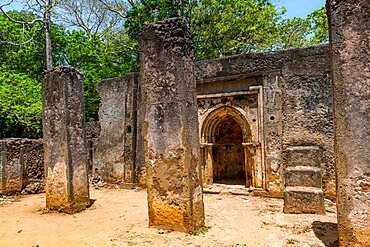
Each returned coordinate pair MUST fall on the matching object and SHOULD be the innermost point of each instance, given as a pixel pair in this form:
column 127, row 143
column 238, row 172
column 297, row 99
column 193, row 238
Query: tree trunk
column 47, row 22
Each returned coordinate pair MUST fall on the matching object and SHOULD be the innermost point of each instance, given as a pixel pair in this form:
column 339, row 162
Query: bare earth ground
column 119, row 218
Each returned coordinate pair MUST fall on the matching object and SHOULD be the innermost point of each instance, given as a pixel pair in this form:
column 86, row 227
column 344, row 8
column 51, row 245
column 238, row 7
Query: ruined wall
column 114, row 152
column 294, row 108
column 296, row 100
column 34, row 172
column 21, row 166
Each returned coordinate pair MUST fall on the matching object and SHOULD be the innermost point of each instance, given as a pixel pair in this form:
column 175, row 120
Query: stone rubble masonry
column 64, row 128
column 170, row 127
column 115, row 151
column 349, row 23
column 303, row 187
column 21, row 166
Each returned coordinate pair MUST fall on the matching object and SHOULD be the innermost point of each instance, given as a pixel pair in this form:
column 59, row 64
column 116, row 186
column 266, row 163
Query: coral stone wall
column 22, row 166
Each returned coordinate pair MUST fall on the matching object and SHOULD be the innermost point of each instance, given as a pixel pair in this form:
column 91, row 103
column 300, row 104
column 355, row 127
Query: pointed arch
column 212, row 120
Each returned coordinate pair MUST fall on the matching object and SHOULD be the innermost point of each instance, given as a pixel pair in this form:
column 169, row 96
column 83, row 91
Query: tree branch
column 22, row 22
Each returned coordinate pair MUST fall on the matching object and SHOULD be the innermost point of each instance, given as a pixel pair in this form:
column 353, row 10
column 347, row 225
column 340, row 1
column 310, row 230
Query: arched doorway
column 229, row 148
column 228, row 154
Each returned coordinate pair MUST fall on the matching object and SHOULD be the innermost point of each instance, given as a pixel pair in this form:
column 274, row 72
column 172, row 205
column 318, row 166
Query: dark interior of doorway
column 228, row 153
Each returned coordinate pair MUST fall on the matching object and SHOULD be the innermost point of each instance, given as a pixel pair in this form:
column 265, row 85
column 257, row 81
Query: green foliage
column 146, row 11
column 20, row 101
column 229, row 27
column 28, row 55
column 298, row 32
column 318, row 21
column 201, row 231
column 98, row 60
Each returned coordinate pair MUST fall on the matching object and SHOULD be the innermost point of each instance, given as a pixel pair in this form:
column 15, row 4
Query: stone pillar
column 11, row 166
column 171, row 127
column 349, row 23
column 66, row 155
column 273, row 133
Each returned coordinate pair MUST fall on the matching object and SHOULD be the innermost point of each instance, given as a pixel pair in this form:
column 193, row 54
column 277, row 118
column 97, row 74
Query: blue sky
column 298, row 8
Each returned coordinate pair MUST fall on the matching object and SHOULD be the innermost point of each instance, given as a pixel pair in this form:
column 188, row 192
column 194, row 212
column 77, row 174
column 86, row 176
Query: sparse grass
column 203, row 230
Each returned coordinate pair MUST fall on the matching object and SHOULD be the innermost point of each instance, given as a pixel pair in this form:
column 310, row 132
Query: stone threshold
column 226, row 189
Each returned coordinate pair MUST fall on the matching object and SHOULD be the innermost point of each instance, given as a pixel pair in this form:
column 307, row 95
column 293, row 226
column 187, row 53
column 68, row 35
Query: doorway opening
column 228, row 153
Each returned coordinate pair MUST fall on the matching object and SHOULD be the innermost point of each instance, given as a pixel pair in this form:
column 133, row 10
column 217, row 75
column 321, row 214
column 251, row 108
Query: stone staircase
column 303, row 185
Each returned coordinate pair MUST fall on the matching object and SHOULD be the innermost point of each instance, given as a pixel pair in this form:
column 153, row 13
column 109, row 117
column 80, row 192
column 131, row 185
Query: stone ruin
column 264, row 120
column 170, row 127
column 350, row 69
column 251, row 108
column 65, row 147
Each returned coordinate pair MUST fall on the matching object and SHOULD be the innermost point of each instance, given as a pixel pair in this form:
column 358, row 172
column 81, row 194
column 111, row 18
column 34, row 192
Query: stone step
column 304, row 156
column 304, row 176
column 304, row 200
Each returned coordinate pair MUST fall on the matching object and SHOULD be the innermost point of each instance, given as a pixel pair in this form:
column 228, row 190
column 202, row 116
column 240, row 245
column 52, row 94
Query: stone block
column 303, row 200
column 170, row 127
column 304, row 156
column 303, row 176
column 11, row 166
column 65, row 147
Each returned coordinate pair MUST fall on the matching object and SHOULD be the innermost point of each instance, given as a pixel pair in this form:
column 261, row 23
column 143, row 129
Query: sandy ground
column 119, row 218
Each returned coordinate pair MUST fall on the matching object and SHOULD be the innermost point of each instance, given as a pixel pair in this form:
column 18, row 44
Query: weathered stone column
column 171, row 127
column 350, row 60
column 66, row 156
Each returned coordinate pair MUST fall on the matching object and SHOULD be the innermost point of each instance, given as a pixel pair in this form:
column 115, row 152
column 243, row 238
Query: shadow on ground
column 327, row 232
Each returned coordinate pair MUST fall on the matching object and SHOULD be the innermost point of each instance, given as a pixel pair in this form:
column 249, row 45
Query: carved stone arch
column 215, row 116
column 216, row 154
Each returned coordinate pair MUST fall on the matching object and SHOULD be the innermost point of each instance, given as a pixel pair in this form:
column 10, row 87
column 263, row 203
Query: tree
column 299, row 32
column 102, row 46
column 99, row 60
column 229, row 27
column 20, row 101
column 91, row 16
column 318, row 21
column 44, row 8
